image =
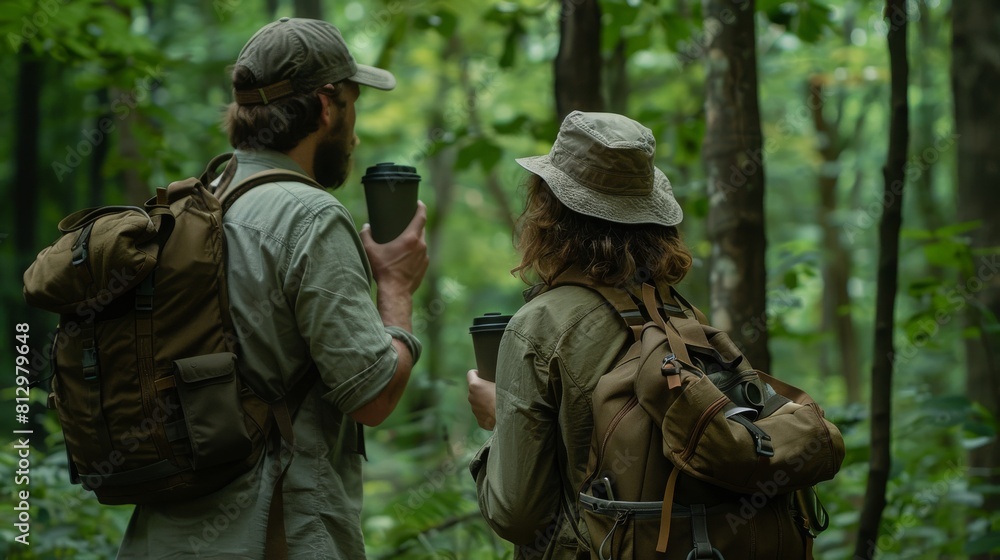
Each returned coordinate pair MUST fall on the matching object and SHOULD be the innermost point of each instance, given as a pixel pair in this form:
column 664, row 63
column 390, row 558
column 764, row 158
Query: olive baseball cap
column 298, row 55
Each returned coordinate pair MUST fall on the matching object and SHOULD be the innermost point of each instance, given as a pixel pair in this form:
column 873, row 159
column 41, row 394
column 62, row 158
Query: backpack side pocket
column 210, row 398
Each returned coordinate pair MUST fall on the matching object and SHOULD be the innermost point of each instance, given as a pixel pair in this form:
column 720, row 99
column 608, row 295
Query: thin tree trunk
column 735, row 171
column 618, row 83
column 95, row 177
column 577, row 65
column 26, row 180
column 836, row 257
column 885, row 298
column 975, row 73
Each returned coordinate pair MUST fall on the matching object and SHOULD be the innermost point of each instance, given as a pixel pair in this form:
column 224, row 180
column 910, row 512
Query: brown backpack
column 695, row 455
column 144, row 368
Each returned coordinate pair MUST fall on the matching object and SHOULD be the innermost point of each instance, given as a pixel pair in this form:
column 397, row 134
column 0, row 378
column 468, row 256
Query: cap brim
column 374, row 77
column 659, row 207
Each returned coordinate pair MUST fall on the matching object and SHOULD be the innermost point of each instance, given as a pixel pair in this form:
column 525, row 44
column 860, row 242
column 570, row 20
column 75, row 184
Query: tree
column 735, row 175
column 836, row 257
column 577, row 66
column 974, row 74
column 888, row 274
column 26, row 178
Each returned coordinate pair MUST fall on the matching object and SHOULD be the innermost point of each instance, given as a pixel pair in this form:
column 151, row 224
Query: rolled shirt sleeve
column 328, row 281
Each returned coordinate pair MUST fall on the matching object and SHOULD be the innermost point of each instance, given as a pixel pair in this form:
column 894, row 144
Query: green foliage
column 475, row 91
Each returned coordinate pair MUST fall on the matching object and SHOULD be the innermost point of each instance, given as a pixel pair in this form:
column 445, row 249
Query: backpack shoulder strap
column 229, row 194
column 625, row 303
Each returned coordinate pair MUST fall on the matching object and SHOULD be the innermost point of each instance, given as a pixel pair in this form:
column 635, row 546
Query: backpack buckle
column 764, row 447
column 144, row 294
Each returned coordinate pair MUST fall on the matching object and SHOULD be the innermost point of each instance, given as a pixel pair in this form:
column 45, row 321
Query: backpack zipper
column 614, row 424
column 634, row 400
column 702, row 424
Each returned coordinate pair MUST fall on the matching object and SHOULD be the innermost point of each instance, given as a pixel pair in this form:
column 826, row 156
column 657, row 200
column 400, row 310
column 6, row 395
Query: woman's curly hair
column 552, row 238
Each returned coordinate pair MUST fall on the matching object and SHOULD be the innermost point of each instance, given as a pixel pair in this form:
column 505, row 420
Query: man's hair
column 279, row 125
column 552, row 238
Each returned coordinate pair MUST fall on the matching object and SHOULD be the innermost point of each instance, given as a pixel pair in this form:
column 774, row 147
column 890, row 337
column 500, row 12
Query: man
column 299, row 278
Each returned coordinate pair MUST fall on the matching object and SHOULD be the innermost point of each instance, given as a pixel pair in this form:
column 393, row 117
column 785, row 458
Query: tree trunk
column 311, row 9
column 26, row 180
column 885, row 295
column 975, row 73
column 735, row 172
column 618, row 84
column 95, row 177
column 578, row 62
column 836, row 257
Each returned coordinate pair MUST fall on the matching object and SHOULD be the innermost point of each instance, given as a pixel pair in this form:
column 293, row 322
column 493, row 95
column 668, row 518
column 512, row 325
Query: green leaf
column 510, row 45
column 513, row 126
column 989, row 542
column 481, row 150
column 791, row 280
column 958, row 229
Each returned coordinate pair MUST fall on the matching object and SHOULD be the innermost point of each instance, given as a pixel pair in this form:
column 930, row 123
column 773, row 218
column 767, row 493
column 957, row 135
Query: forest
column 833, row 159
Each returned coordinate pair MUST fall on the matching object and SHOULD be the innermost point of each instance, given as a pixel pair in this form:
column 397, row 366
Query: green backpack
column 695, row 455
column 144, row 362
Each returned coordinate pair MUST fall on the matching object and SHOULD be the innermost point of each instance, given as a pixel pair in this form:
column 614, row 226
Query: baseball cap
column 299, row 55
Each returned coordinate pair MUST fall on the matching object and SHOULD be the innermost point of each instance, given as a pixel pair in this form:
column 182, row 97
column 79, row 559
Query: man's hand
column 399, row 265
column 483, row 398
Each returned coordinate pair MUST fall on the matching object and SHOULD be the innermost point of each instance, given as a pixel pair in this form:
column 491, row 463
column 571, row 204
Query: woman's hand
column 483, row 398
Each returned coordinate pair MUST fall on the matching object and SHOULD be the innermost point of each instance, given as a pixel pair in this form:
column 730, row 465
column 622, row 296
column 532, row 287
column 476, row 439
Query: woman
column 597, row 212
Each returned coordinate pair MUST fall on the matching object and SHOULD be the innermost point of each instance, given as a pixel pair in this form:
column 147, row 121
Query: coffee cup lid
column 489, row 322
column 388, row 171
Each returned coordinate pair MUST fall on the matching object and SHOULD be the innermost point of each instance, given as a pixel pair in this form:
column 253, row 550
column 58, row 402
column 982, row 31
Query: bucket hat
column 299, row 55
column 601, row 165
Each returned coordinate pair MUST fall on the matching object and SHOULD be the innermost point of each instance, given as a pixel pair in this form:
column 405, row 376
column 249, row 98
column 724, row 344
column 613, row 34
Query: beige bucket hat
column 601, row 165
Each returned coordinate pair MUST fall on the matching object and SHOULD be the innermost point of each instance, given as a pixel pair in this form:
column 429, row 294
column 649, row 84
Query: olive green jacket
column 530, row 472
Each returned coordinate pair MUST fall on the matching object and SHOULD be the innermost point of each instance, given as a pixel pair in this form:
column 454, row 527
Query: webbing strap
column 145, row 361
column 276, row 541
column 668, row 501
column 228, row 195
column 283, row 411
column 703, row 549
column 91, row 367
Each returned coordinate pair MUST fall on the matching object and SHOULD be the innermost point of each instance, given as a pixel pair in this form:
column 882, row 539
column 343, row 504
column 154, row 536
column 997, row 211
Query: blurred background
column 108, row 99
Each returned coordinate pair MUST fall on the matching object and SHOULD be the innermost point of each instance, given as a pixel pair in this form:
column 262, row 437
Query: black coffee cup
column 486, row 333
column 391, row 196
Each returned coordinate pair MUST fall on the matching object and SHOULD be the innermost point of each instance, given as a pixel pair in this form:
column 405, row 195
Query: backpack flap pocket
column 213, row 411
column 102, row 254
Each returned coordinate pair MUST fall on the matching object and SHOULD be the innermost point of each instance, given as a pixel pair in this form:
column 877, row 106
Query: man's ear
column 328, row 112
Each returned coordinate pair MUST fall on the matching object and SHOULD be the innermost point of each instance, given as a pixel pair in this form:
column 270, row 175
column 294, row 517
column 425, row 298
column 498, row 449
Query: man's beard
column 332, row 161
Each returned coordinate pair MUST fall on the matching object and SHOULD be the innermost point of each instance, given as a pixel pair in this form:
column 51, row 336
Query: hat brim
column 658, row 207
column 374, row 77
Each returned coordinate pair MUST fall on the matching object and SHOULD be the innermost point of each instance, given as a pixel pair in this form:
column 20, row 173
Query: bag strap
column 228, row 195
column 283, row 412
